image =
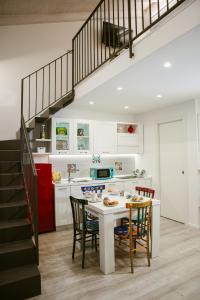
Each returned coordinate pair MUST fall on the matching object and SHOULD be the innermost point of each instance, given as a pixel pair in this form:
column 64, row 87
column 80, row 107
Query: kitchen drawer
column 63, row 210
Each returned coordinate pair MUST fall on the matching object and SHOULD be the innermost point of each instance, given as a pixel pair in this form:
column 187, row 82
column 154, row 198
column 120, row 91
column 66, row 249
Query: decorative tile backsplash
column 121, row 164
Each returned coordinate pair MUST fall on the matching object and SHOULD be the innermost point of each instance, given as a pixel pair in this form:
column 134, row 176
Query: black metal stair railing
column 46, row 86
column 103, row 35
column 113, row 26
column 30, row 182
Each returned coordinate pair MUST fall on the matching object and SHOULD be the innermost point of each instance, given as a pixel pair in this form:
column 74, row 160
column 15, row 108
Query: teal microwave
column 101, row 173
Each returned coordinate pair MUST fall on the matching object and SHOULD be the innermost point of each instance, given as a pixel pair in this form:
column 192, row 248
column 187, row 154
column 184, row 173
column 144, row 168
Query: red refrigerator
column 46, row 211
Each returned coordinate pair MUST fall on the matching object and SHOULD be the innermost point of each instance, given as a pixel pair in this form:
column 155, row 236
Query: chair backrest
column 143, row 219
column 144, row 191
column 78, row 213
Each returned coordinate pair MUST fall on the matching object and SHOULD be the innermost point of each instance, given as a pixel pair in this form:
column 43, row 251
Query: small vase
column 43, row 135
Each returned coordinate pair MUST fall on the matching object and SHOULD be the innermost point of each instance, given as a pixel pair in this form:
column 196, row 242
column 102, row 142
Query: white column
column 155, row 230
column 106, row 239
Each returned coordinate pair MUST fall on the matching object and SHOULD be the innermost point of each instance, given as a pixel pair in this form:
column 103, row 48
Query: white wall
column 150, row 159
column 24, row 49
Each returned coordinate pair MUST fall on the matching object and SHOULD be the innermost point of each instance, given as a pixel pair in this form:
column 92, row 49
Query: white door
column 172, row 171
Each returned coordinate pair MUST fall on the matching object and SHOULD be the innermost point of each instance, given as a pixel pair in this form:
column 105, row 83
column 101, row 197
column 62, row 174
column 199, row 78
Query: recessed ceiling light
column 126, row 107
column 159, row 96
column 119, row 88
column 91, row 102
column 167, row 64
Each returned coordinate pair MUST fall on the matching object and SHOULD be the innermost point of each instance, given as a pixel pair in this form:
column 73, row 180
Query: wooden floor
column 174, row 275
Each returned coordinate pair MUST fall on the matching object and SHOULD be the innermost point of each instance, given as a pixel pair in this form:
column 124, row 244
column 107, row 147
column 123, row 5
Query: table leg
column 106, row 243
column 155, row 225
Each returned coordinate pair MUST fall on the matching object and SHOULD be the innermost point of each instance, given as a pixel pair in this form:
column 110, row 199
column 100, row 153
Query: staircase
column 19, row 275
column 115, row 27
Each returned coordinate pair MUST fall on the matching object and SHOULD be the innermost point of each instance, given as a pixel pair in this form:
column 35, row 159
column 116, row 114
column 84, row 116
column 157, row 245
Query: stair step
column 10, row 145
column 13, row 210
column 10, row 155
column 15, row 230
column 12, row 195
column 20, row 283
column 7, row 179
column 10, row 166
column 11, row 187
column 16, row 254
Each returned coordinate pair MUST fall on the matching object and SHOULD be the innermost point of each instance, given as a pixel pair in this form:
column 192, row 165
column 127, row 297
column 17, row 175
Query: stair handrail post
column 35, row 201
column 21, row 120
column 130, row 29
column 73, row 79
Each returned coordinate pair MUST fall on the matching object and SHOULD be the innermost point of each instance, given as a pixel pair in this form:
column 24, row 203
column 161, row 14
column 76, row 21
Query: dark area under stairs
column 19, row 274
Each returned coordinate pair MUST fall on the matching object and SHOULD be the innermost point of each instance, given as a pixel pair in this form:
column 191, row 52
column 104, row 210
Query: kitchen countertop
column 89, row 181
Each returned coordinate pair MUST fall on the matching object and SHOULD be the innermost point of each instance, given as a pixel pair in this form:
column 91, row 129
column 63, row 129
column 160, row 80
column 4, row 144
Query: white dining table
column 107, row 221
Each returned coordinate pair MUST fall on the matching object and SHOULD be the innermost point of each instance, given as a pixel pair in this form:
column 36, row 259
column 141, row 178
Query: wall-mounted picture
column 71, row 168
column 118, row 166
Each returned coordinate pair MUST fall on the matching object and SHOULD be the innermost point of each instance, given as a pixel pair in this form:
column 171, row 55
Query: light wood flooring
column 174, row 275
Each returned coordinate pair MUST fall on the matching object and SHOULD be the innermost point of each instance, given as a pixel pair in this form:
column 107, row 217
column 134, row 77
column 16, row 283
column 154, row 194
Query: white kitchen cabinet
column 83, row 137
column 62, row 136
column 129, row 138
column 105, row 137
column 63, row 212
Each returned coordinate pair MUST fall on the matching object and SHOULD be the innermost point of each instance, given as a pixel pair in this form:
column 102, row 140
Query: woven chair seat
column 123, row 231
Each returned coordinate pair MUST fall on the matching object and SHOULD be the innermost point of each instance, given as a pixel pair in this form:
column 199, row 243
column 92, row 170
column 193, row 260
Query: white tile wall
column 84, row 163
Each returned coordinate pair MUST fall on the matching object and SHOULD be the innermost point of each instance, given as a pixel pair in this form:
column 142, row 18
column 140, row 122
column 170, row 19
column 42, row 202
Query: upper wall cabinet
column 62, row 136
column 99, row 137
column 105, row 137
column 129, row 138
column 83, row 140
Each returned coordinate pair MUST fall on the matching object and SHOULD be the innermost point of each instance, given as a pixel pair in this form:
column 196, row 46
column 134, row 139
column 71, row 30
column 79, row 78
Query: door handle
column 183, row 172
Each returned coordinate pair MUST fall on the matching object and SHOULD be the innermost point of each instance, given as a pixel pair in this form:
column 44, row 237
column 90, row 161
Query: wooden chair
column 84, row 229
column 139, row 232
column 146, row 192
column 142, row 191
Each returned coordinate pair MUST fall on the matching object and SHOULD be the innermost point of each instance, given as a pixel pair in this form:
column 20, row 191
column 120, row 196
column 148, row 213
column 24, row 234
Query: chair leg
column 95, row 239
column 134, row 245
column 92, row 241
column 148, row 252
column 74, row 246
column 83, row 250
column 131, row 259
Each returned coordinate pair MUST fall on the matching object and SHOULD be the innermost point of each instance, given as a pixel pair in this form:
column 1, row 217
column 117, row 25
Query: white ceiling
column 22, row 7
column 145, row 79
column 15, row 12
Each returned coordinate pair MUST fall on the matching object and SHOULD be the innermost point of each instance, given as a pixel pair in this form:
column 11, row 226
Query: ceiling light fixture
column 167, row 65
column 126, row 107
column 159, row 96
column 91, row 102
column 119, row 88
